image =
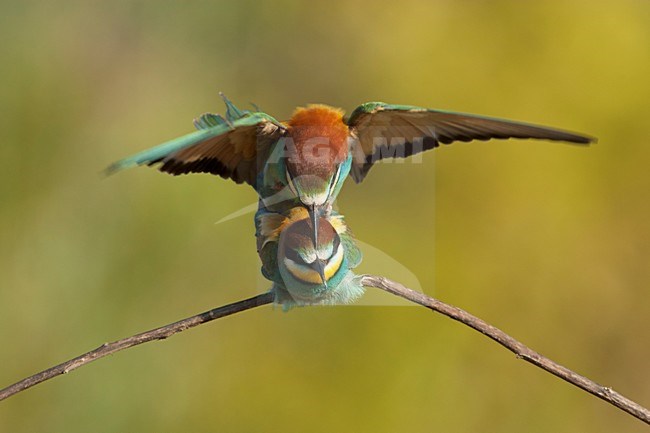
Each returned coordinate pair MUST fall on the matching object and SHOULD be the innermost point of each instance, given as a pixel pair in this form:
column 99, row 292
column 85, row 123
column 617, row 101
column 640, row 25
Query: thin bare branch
column 522, row 351
column 518, row 348
column 155, row 334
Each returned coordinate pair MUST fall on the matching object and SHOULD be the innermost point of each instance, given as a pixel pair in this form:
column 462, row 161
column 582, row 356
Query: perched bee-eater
column 298, row 167
column 304, row 273
column 305, row 160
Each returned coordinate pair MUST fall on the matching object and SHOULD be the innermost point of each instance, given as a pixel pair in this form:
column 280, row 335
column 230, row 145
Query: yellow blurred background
column 549, row 242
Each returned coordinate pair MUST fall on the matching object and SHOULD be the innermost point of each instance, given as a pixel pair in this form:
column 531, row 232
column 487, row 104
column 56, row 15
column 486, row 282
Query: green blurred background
column 549, row 242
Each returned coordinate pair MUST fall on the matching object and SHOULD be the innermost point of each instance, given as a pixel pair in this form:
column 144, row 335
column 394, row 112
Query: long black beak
column 314, row 217
column 319, row 266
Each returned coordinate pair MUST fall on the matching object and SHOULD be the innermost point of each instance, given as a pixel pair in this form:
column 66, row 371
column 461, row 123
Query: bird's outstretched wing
column 230, row 147
column 396, row 131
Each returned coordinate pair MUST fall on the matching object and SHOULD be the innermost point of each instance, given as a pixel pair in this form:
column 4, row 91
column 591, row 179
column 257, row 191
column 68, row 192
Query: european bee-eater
column 298, row 167
column 304, row 273
column 304, row 161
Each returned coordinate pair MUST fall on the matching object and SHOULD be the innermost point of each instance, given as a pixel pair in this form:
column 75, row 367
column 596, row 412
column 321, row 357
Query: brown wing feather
column 232, row 155
column 385, row 132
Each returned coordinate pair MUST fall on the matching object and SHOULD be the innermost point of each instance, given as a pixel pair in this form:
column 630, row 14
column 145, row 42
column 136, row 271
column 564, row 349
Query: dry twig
column 522, row 351
column 125, row 343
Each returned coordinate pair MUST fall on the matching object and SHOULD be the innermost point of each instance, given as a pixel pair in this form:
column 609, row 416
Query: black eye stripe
column 335, row 245
column 293, row 255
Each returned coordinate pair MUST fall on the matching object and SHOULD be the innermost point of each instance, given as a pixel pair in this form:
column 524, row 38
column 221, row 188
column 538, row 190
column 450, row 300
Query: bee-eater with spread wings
column 303, row 162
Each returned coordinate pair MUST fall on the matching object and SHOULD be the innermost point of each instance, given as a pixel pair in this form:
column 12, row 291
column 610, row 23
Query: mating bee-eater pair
column 298, row 168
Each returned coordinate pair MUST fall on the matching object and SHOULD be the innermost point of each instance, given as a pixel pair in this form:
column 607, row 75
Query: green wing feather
column 158, row 153
column 210, row 120
column 397, row 131
column 352, row 251
column 227, row 147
